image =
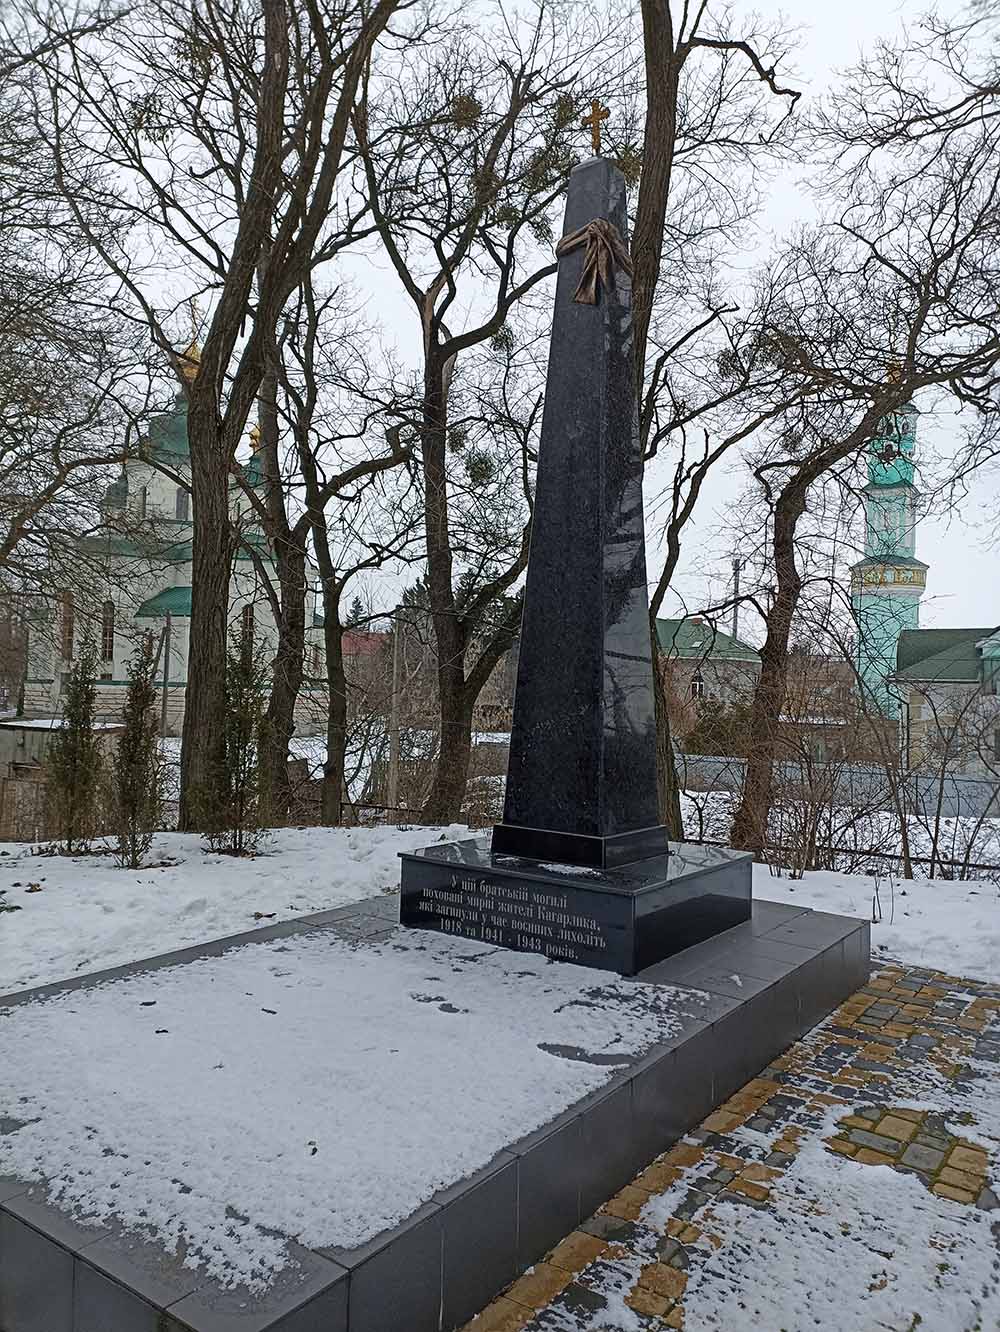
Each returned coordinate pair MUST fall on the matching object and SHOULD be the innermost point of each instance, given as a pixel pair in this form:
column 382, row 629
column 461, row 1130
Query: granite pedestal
column 621, row 919
column 741, row 999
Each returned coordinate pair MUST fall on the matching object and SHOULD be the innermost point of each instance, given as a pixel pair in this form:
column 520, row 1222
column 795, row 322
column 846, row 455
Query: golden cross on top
column 593, row 122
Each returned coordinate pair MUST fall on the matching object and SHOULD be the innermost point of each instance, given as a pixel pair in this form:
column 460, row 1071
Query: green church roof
column 167, row 439
column 150, row 545
column 882, row 561
column 176, row 600
column 699, row 640
column 116, row 494
column 939, row 654
column 253, row 471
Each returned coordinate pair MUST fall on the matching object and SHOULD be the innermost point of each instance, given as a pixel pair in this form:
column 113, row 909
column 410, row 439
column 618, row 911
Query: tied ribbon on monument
column 604, row 253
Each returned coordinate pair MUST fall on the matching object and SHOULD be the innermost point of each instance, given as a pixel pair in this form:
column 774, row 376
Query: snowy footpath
column 852, row 1187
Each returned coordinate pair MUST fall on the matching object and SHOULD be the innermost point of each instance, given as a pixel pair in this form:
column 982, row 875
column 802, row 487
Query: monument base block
column 623, row 919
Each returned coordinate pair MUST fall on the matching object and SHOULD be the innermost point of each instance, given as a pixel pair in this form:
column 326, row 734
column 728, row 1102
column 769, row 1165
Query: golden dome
column 255, row 437
column 190, row 361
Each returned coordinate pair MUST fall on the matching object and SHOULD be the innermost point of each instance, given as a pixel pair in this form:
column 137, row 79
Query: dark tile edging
column 452, row 1256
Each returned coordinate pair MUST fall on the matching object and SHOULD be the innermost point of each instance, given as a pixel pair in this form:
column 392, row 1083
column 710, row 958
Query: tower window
column 181, row 504
column 143, row 502
column 697, row 685
column 108, row 631
column 66, row 626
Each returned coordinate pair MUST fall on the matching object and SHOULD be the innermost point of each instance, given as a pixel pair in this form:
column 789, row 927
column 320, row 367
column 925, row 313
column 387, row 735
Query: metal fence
column 854, row 785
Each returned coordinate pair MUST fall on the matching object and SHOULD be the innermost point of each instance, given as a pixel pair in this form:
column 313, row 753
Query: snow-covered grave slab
column 322, row 1090
column 348, row 1127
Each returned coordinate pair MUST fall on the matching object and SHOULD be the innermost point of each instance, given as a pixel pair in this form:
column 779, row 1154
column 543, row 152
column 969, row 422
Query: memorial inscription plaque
column 621, row 919
column 580, row 869
column 530, row 917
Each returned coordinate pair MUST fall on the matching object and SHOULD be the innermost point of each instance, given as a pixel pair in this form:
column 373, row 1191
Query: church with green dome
column 136, row 569
column 888, row 582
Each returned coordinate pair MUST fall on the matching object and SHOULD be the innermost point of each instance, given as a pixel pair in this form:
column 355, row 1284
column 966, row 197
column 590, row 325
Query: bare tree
column 65, row 400
column 465, row 160
column 903, row 278
column 223, row 144
column 715, row 105
column 352, row 523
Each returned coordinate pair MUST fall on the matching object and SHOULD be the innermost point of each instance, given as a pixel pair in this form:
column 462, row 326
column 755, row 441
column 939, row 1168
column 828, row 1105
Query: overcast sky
column 961, row 549
column 963, row 587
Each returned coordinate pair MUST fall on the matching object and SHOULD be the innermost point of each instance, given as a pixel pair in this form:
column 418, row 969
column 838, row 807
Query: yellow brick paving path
column 866, row 1057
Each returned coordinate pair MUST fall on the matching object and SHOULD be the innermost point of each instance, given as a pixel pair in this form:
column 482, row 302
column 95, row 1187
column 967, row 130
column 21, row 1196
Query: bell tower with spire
column 887, row 584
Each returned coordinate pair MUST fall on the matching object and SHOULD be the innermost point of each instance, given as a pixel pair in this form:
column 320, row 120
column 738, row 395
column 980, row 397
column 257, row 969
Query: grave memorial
column 580, row 869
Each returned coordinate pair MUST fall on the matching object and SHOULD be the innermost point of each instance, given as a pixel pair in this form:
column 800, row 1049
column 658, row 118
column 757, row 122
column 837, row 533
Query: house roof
column 176, row 600
column 696, row 639
column 939, row 654
column 357, row 643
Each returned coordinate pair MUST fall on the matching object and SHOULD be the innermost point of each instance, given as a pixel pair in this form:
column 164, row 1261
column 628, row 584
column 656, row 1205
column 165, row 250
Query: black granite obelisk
column 581, row 778
column 580, row 870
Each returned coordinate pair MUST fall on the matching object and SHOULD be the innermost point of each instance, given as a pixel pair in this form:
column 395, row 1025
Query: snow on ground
column 89, row 914
column 320, row 1089
column 848, row 1246
column 85, row 914
column 951, row 926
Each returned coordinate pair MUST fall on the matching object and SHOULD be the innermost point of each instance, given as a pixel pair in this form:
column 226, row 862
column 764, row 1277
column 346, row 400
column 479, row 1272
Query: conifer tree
column 136, row 786
column 357, row 614
column 235, row 822
column 74, row 758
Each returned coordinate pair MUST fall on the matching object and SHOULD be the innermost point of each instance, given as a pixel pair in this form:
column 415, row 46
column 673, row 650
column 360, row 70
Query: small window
column 66, row 626
column 996, row 746
column 108, row 631
column 697, row 685
column 143, row 502
column 316, row 662
column 247, row 621
column 181, row 505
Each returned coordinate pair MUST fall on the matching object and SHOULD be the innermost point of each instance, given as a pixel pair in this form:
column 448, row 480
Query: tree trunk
column 444, row 801
column 663, row 68
column 202, row 737
column 751, row 819
column 336, row 717
column 287, row 670
column 667, row 785
column 288, row 549
column 447, row 792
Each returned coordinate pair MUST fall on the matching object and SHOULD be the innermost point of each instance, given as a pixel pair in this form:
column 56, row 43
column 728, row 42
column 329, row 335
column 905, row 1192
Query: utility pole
column 392, row 791
column 166, row 674
column 737, row 565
